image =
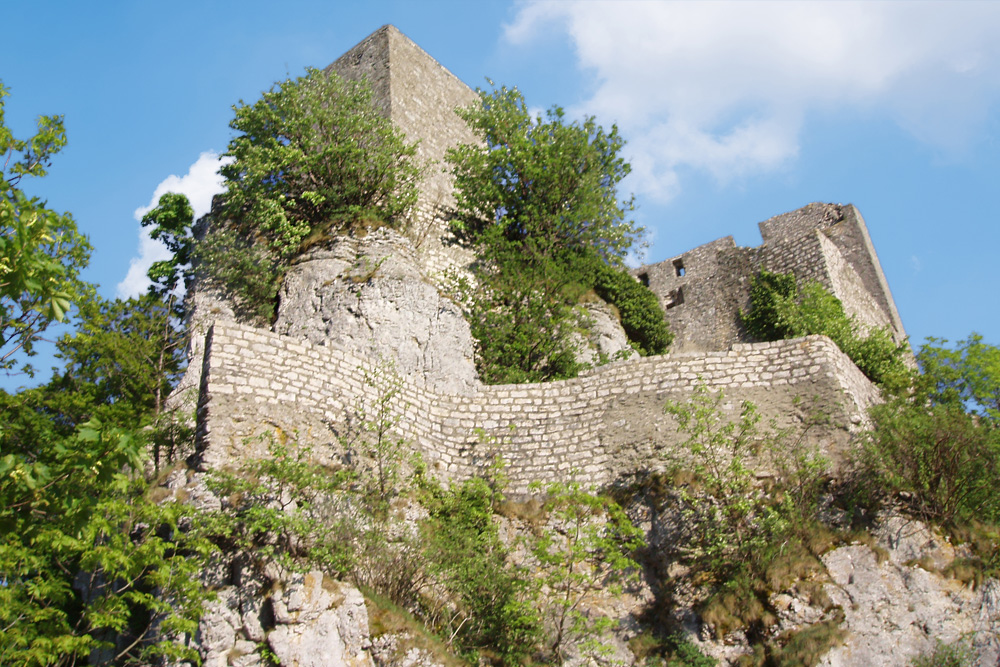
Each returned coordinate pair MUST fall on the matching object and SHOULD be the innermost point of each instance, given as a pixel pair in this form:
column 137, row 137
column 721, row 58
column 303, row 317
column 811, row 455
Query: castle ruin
column 337, row 319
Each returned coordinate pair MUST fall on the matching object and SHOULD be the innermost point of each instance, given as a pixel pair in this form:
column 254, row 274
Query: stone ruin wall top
column 704, row 289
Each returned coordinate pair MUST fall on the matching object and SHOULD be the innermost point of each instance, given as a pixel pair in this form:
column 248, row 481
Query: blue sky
column 734, row 112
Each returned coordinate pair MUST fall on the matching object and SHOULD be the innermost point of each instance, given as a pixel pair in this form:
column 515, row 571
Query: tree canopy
column 314, row 152
column 538, row 199
column 41, row 251
column 547, row 184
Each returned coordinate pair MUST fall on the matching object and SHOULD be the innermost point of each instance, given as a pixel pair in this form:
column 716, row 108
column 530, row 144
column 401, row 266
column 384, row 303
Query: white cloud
column 200, row 184
column 727, row 87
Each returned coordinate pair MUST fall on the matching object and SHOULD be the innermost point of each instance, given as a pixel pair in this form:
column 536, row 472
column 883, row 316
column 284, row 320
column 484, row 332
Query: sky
column 733, row 112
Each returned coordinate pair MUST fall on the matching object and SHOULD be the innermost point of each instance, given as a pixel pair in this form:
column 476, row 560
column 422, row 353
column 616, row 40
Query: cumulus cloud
column 728, row 87
column 200, row 184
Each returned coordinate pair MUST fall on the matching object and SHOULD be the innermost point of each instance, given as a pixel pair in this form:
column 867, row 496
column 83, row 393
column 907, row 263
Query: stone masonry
column 604, row 424
column 703, row 290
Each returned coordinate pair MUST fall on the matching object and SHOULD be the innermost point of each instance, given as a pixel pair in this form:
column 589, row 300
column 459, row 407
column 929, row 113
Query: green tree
column 522, row 315
column 118, row 365
column 314, row 153
column 938, row 446
column 968, row 374
column 90, row 564
column 171, row 221
column 549, row 185
column 312, row 157
column 41, row 251
column 591, row 549
column 538, row 198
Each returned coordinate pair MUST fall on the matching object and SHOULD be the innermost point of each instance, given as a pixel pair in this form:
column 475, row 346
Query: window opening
column 675, row 298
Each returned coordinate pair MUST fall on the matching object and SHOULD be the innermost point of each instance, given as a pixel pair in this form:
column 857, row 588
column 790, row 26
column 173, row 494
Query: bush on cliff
column 315, row 153
column 539, row 201
column 937, row 447
column 312, row 157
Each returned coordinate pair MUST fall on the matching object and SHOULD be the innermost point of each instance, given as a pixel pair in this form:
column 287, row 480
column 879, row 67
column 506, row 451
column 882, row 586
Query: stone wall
column 420, row 96
column 704, row 290
column 604, row 424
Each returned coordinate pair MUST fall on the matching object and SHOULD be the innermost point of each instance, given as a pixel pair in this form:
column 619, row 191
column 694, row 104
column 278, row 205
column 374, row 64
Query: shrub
column 312, row 157
column 641, row 314
column 941, row 458
column 746, row 542
column 315, row 152
column 959, row 654
column 780, row 309
column 491, row 610
column 592, row 550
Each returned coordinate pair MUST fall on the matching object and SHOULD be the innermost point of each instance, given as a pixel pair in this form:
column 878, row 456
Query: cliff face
column 358, row 306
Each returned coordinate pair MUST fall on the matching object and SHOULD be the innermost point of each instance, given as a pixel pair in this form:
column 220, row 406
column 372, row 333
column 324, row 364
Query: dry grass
column 732, row 609
column 804, row 647
column 387, row 618
column 531, row 512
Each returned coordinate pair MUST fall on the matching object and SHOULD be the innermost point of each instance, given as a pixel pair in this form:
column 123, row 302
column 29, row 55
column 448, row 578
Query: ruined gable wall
column 844, row 226
column 825, row 243
column 604, row 424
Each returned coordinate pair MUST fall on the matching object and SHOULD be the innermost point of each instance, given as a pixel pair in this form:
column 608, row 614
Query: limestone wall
column 826, row 243
column 604, row 424
column 420, row 96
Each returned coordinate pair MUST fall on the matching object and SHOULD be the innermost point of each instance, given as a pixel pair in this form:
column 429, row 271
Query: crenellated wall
column 606, row 423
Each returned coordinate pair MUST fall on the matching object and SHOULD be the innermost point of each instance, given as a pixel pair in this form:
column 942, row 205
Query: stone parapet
column 604, row 424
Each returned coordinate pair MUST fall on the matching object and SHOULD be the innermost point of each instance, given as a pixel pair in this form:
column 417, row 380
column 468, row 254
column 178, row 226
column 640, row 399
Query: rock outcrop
column 368, row 296
column 306, row 620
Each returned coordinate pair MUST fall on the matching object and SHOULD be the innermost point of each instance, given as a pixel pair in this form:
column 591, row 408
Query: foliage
column 746, row 542
column 171, row 221
column 522, row 316
column 939, row 446
column 959, row 654
column 315, row 152
column 734, row 523
column 641, row 314
column 90, row 563
column 376, row 440
column 674, row 650
column 968, row 375
column 277, row 509
column 91, row 567
column 549, row 185
column 538, row 199
column 780, row 308
column 41, row 251
column 312, row 157
column 591, row 549
column 492, row 608
column 118, row 365
column 244, row 271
